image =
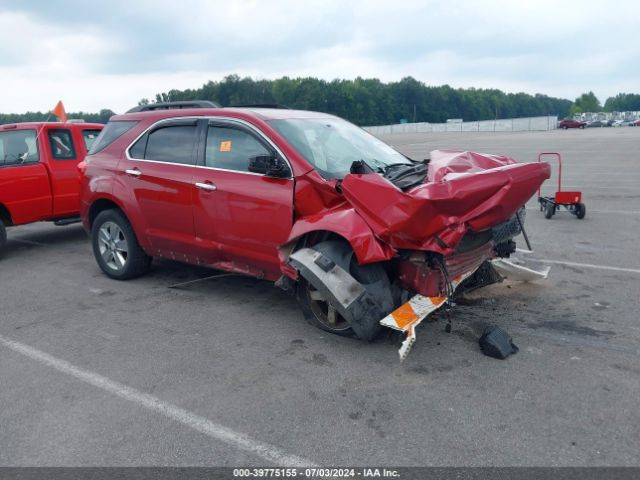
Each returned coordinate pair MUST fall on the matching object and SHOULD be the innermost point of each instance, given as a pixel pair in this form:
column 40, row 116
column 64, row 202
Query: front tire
column 581, row 210
column 116, row 247
column 319, row 311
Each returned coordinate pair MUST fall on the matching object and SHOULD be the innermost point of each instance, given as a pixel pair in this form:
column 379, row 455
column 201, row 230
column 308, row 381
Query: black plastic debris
column 497, row 343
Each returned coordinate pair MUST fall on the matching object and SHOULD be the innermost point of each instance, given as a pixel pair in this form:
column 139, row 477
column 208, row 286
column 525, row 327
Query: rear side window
column 90, row 137
column 172, row 144
column 110, row 134
column 18, row 147
column 61, row 144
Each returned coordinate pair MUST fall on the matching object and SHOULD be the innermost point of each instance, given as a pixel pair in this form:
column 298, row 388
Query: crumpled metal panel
column 346, row 222
column 464, row 191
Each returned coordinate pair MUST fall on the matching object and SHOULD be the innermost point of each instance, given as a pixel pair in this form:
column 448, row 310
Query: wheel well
column 311, row 238
column 100, row 206
column 5, row 216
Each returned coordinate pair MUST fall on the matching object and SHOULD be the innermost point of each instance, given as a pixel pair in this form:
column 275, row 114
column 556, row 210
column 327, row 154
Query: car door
column 64, row 155
column 241, row 217
column 24, row 182
column 158, row 171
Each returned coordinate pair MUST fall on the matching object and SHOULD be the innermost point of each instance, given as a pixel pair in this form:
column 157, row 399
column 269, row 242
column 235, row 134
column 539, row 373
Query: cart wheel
column 581, row 210
column 549, row 210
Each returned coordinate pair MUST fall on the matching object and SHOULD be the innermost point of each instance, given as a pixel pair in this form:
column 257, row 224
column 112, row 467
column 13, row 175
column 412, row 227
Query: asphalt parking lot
column 226, row 371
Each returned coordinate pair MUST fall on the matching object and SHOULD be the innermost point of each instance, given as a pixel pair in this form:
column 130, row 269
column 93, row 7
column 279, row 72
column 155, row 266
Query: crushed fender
column 464, row 191
column 408, row 316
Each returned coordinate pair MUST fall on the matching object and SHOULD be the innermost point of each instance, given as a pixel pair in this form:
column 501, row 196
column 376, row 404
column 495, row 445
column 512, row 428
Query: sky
column 110, row 54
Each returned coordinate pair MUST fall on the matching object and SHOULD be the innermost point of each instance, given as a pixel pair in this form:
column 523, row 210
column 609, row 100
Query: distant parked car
column 571, row 124
column 617, row 123
column 635, row 123
column 597, row 123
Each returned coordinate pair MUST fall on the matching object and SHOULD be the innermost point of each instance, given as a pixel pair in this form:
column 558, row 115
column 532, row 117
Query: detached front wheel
column 116, row 247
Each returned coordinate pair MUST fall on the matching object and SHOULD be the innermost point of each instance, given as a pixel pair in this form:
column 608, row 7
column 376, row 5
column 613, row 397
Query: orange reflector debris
column 406, row 317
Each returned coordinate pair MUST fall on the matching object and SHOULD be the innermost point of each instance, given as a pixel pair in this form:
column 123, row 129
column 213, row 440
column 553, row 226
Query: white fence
column 501, row 125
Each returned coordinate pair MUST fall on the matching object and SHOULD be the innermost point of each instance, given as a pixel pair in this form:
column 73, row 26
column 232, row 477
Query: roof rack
column 261, row 105
column 174, row 105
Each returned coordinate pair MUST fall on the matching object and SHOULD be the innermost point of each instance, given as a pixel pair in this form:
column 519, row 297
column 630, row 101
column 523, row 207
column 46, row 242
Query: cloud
column 111, row 55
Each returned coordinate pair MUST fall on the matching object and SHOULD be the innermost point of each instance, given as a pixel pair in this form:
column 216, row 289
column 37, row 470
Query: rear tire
column 116, row 247
column 3, row 236
column 581, row 210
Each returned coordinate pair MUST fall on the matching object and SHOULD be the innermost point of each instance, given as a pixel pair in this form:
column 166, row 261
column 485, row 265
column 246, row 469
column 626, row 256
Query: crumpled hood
column 464, row 191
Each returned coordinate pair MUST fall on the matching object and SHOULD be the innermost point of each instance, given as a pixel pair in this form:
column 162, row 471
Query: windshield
column 331, row 145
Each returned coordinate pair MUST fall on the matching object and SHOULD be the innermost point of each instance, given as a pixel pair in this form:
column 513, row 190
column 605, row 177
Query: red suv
column 351, row 226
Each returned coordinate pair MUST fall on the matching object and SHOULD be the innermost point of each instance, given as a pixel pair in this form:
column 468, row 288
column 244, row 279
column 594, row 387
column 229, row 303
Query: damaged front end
column 445, row 222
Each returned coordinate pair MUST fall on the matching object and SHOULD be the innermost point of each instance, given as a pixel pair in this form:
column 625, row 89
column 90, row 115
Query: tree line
column 369, row 101
column 102, row 116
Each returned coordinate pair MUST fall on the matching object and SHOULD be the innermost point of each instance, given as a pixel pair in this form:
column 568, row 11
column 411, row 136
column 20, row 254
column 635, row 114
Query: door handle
column 134, row 172
column 206, row 186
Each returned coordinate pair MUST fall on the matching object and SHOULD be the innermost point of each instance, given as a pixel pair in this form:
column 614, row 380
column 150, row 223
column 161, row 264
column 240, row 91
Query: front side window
column 18, row 147
column 90, row 137
column 61, row 145
column 231, row 148
column 331, row 145
column 172, row 144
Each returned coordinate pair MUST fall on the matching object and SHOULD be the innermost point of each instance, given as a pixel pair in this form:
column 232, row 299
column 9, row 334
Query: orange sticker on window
column 225, row 146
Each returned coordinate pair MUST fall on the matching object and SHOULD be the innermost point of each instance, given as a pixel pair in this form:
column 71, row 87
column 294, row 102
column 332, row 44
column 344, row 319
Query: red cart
column 571, row 201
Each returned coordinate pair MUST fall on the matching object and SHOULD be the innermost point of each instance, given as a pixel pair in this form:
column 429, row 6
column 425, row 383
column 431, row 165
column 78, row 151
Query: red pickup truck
column 38, row 171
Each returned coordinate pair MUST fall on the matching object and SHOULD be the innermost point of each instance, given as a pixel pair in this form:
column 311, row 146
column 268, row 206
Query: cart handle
column 557, row 155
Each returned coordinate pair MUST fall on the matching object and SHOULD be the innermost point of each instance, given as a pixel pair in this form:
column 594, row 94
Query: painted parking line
column 195, row 422
column 587, row 265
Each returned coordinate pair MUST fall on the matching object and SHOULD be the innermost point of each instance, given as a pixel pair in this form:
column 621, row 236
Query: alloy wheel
column 113, row 246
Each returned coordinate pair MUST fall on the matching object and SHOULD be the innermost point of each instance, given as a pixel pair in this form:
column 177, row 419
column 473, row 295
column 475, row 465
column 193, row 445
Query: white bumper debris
column 513, row 271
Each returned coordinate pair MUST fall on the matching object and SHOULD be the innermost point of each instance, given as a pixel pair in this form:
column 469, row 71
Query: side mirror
column 269, row 165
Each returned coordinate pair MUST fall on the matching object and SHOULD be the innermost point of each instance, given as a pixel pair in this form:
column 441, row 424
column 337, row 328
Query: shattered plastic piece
column 497, row 343
column 408, row 316
column 519, row 272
